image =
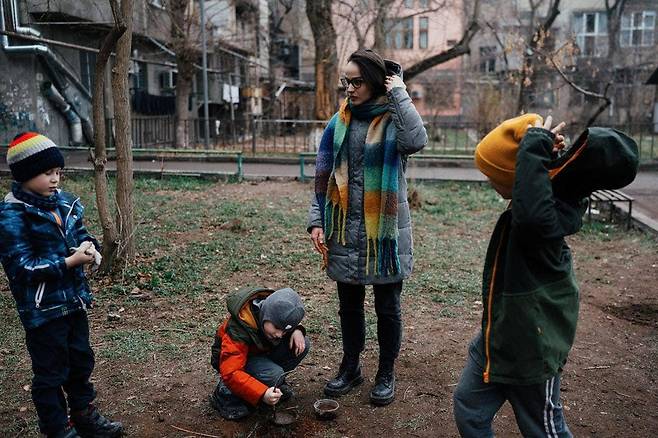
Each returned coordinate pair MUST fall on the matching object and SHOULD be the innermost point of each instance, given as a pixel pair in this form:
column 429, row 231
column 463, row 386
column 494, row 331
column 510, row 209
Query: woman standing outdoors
column 360, row 206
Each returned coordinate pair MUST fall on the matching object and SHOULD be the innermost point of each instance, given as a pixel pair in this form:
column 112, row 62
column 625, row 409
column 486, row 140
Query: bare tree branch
column 500, row 43
column 459, row 49
column 603, row 96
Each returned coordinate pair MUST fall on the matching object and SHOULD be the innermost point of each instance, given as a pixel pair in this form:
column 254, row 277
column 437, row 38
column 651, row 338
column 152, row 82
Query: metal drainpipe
column 17, row 24
column 37, row 49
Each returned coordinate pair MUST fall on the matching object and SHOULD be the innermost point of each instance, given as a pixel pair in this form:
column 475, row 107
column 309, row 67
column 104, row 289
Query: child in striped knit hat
column 44, row 247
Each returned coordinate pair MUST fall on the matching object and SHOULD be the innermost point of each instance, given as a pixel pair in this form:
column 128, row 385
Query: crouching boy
column 260, row 341
column 44, row 247
column 530, row 296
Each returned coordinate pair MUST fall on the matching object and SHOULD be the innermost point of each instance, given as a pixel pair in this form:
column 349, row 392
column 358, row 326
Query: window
column 591, row 29
column 87, row 69
column 409, row 3
column 138, row 75
column 488, row 59
column 637, row 29
column 423, row 4
column 423, row 28
column 400, row 33
column 168, row 80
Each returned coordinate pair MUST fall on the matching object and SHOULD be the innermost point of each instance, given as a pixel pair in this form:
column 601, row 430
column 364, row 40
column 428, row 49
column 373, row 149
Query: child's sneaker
column 229, row 406
column 91, row 424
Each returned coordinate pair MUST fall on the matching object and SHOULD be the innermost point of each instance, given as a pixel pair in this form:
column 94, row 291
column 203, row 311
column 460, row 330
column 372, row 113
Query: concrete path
column 644, row 189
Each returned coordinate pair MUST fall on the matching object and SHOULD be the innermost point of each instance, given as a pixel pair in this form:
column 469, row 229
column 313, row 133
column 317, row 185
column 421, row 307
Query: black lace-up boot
column 349, row 376
column 91, row 424
column 383, row 392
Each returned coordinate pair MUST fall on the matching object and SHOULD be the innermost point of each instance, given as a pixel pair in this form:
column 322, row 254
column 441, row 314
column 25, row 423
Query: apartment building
column 412, row 31
column 48, row 55
column 579, row 41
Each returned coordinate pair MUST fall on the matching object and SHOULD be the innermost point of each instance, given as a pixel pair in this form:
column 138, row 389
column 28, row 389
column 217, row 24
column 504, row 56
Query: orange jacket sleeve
column 232, row 360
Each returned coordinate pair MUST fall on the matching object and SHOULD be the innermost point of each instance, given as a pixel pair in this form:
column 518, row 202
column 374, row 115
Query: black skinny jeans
column 389, row 321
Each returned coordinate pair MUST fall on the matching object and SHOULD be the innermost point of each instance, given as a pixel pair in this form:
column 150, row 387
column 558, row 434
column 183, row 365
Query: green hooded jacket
column 530, row 294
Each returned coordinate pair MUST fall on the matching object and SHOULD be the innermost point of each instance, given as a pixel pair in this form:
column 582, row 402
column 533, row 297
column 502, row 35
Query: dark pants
column 62, row 361
column 389, row 320
column 537, row 408
column 269, row 367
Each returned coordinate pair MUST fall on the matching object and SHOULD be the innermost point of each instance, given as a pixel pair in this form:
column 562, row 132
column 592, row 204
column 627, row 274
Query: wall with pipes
column 22, row 107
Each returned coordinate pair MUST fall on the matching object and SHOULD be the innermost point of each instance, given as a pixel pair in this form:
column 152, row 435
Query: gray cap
column 284, row 308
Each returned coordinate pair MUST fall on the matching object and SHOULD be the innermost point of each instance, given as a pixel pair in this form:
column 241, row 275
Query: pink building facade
column 414, row 30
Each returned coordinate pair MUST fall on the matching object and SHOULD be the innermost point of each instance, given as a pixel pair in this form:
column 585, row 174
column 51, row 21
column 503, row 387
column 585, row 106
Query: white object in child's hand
column 89, row 249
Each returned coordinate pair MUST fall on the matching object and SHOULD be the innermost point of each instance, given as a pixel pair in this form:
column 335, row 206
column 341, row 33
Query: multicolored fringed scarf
column 380, row 179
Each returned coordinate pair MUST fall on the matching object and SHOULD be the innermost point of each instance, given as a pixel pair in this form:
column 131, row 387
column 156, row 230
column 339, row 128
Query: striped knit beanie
column 30, row 154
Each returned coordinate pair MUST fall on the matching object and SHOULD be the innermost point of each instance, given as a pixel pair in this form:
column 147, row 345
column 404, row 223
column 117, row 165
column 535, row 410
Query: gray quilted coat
column 347, row 263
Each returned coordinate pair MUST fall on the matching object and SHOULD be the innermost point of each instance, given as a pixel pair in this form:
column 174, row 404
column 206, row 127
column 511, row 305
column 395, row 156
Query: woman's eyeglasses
column 354, row 82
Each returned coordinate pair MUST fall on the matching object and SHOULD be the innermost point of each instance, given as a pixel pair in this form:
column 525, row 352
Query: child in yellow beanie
column 530, row 296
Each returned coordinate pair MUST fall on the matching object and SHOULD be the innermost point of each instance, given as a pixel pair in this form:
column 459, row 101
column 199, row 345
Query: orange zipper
column 485, row 374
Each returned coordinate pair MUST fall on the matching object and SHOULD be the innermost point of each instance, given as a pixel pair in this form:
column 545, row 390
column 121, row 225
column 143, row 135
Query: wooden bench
column 611, row 197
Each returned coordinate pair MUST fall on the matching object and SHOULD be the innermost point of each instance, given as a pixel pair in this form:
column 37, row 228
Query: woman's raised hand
column 393, row 82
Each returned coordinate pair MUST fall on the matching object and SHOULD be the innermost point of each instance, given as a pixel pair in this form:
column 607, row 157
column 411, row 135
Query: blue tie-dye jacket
column 32, row 250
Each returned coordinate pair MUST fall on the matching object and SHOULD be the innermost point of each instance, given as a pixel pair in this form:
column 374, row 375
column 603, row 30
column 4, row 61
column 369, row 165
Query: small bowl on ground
column 326, row 408
column 284, row 417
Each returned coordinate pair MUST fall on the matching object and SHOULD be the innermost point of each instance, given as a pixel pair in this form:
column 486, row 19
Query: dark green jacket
column 529, row 291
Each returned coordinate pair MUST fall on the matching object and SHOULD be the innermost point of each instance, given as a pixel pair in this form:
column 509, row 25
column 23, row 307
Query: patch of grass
column 173, row 183
column 413, row 423
column 197, row 241
column 127, row 345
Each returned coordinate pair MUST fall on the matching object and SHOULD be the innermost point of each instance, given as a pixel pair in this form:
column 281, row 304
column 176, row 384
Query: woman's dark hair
column 373, row 69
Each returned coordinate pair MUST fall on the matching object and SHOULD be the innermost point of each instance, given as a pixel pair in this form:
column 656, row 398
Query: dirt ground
column 608, row 389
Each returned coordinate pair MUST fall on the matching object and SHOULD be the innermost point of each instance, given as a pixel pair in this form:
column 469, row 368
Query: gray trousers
column 268, row 367
column 537, row 408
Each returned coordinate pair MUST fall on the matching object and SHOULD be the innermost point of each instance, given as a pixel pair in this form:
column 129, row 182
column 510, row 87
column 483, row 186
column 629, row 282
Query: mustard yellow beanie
column 495, row 156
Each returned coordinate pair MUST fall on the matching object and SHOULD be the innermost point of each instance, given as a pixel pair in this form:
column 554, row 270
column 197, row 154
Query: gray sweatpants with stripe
column 537, row 408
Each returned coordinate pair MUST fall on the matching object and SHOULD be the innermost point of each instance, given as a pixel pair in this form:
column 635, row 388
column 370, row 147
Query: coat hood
column 601, row 158
column 243, row 324
column 393, row 68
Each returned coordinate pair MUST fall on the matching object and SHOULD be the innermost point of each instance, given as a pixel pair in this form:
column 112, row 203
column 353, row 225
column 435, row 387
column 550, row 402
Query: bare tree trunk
column 186, row 54
column 183, row 90
column 614, row 12
column 120, row 93
column 380, row 25
column 110, row 237
column 535, row 39
column 326, row 57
